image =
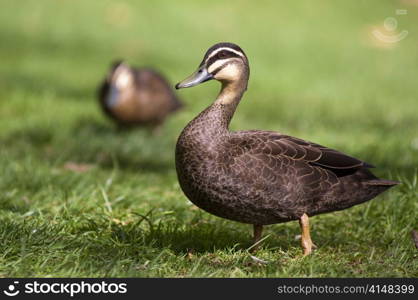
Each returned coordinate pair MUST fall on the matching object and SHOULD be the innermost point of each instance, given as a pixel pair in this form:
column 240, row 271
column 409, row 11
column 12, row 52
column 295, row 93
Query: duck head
column 225, row 62
column 121, row 75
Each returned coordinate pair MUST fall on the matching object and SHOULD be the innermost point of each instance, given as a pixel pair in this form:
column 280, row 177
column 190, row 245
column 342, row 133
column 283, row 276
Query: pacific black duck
column 136, row 97
column 261, row 177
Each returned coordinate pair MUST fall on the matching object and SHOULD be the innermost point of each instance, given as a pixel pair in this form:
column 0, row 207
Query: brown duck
column 136, row 97
column 261, row 177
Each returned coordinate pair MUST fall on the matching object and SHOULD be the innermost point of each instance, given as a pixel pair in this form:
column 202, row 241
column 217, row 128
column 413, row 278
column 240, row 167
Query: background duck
column 137, row 97
column 261, row 177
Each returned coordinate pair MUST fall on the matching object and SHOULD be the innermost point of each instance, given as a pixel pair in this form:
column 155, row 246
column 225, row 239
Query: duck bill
column 201, row 75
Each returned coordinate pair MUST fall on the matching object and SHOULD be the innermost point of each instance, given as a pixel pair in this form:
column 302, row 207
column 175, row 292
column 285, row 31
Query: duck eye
column 222, row 55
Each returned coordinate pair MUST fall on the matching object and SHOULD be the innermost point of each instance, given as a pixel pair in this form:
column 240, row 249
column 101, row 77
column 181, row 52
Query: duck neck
column 228, row 99
column 213, row 122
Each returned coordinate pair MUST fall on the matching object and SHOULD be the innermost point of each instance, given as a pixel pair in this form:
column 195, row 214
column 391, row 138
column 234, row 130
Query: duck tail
column 380, row 185
column 382, row 182
column 368, row 178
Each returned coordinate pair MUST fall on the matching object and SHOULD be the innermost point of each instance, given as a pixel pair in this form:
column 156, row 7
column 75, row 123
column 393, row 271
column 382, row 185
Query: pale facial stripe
column 217, row 64
column 224, row 48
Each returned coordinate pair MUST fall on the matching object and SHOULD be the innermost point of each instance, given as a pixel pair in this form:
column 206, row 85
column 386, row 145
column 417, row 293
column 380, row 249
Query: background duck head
column 120, row 78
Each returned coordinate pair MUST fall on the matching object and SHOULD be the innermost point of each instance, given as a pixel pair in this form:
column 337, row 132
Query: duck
column 261, row 177
column 136, row 97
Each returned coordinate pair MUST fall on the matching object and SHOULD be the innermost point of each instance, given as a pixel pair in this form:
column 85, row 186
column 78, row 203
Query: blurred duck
column 261, row 177
column 137, row 97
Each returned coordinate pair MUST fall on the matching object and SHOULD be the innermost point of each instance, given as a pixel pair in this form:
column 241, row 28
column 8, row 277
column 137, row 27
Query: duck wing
column 159, row 85
column 273, row 144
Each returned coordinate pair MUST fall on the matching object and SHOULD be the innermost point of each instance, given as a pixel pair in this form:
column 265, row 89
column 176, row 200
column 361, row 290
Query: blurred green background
column 79, row 198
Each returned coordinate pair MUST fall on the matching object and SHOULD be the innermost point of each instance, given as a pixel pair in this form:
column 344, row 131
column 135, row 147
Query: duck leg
column 307, row 244
column 258, row 231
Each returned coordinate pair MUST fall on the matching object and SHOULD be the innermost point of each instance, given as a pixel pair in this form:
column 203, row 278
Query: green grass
column 316, row 73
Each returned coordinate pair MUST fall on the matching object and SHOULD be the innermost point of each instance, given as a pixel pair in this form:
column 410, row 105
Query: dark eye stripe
column 224, row 54
column 219, row 68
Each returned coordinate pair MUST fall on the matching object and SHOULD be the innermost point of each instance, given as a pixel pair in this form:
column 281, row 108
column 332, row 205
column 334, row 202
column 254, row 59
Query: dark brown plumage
column 261, row 177
column 136, row 97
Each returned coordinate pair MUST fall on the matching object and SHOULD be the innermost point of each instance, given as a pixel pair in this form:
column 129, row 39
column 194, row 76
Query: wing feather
column 265, row 145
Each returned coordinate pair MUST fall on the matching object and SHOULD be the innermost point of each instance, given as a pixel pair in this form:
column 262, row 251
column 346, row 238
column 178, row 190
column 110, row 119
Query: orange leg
column 307, row 244
column 258, row 231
